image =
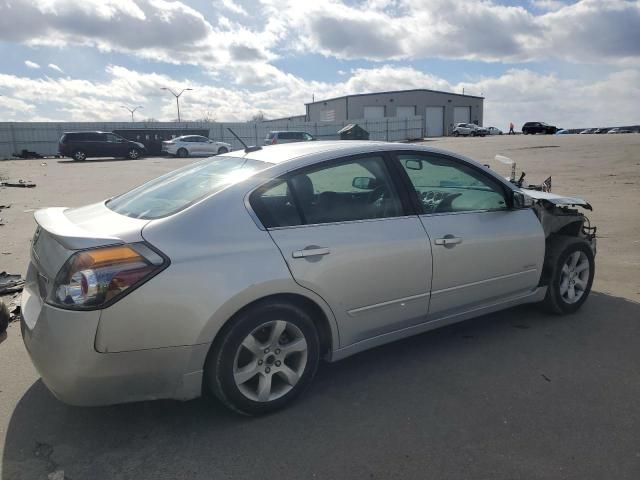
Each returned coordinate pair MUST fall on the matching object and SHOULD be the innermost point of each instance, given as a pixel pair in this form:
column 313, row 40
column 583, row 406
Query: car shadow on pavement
column 99, row 160
column 516, row 394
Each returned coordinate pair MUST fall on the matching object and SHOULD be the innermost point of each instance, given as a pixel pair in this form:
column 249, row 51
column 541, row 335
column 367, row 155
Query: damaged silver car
column 237, row 274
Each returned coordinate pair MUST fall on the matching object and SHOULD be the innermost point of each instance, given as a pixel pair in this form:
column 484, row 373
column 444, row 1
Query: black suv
column 538, row 127
column 82, row 145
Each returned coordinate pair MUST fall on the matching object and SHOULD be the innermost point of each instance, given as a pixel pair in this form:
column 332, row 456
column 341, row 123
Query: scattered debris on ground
column 26, row 154
column 10, row 283
column 20, row 184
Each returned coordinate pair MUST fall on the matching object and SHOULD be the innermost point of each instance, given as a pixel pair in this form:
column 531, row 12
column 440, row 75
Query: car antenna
column 247, row 149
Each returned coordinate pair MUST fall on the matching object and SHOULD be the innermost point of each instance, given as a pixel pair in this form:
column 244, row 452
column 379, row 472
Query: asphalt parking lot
column 517, row 394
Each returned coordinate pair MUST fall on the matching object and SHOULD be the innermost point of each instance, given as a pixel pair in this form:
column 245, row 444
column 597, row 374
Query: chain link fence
column 42, row 138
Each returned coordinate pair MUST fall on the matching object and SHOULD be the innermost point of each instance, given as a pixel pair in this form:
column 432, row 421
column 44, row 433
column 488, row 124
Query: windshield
column 177, row 190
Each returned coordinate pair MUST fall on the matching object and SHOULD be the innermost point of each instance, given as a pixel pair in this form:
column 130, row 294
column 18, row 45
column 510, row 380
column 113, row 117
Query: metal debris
column 10, row 283
column 21, row 184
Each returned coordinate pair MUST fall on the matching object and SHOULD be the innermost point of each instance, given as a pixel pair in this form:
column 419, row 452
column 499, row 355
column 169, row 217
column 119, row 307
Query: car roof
column 300, row 152
column 87, row 131
column 287, row 131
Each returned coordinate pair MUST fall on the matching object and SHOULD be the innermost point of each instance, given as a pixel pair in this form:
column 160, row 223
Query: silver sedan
column 236, row 275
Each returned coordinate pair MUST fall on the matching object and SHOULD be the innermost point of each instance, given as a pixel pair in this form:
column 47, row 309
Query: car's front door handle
column 311, row 252
column 448, row 240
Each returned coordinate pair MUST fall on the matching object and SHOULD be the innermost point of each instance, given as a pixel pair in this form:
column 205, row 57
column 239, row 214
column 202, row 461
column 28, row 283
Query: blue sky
column 574, row 63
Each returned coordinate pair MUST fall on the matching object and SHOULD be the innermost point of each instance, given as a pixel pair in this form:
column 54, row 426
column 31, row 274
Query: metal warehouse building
column 440, row 110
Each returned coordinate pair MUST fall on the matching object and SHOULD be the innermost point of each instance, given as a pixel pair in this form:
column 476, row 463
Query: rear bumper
column 61, row 346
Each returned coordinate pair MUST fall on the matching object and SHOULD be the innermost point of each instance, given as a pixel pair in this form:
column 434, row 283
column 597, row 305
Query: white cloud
column 31, row 64
column 158, row 30
column 518, row 95
column 589, row 30
column 232, row 6
column 55, row 67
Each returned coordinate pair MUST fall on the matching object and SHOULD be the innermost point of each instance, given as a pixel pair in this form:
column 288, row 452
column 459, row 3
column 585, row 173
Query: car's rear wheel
column 133, row 154
column 79, row 156
column 571, row 267
column 183, row 153
column 265, row 358
column 222, row 150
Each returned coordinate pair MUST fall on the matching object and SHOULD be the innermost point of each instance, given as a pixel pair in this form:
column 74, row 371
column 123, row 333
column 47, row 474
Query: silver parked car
column 236, row 275
column 469, row 129
column 194, row 146
column 288, row 136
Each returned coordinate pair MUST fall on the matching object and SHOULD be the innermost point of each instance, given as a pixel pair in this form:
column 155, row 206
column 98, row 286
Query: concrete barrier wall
column 43, row 137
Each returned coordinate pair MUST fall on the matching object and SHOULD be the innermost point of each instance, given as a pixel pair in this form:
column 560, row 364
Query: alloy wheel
column 270, row 361
column 574, row 277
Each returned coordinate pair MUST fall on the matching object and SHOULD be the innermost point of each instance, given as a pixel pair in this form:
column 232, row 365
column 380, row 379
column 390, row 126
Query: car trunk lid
column 62, row 231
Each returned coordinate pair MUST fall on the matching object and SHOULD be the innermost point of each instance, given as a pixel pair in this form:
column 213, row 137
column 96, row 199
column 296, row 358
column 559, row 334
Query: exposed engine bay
column 558, row 214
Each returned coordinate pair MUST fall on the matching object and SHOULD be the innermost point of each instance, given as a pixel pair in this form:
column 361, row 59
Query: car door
column 115, row 146
column 203, row 146
column 484, row 252
column 346, row 235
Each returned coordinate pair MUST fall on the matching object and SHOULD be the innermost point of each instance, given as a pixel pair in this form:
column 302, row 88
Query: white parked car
column 617, row 130
column 194, row 146
column 469, row 129
column 494, row 131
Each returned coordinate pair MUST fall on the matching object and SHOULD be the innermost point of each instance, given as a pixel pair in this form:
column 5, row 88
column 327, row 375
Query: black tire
column 182, row 153
column 79, row 155
column 560, row 248
column 133, row 154
column 222, row 150
column 455, row 133
column 219, row 367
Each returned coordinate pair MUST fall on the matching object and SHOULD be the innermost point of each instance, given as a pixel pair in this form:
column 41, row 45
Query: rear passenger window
column 275, row 206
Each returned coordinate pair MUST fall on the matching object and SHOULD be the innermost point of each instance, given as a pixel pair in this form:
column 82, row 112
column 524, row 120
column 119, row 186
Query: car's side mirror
column 521, row 200
column 413, row 164
column 364, row 183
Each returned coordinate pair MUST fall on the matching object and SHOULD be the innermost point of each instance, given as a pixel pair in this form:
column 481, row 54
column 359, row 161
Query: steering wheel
column 376, row 199
column 445, row 204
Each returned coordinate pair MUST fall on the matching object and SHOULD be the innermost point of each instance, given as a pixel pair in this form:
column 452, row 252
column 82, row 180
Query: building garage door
column 461, row 115
column 403, row 112
column 435, row 121
column 374, row 112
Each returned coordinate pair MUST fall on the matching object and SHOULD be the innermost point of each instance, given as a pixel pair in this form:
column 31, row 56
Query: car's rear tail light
column 97, row 278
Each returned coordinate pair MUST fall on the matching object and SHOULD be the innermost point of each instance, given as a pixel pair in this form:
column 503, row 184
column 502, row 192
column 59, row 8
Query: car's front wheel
column 264, row 359
column 222, row 150
column 456, row 133
column 79, row 156
column 133, row 154
column 571, row 267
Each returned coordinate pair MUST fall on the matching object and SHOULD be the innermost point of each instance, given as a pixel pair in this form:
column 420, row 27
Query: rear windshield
column 177, row 190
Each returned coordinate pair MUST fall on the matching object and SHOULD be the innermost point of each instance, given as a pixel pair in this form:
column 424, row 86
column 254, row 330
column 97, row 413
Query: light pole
column 131, row 110
column 177, row 95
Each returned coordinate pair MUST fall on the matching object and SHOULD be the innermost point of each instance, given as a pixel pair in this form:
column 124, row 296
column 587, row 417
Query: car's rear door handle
column 311, row 252
column 448, row 240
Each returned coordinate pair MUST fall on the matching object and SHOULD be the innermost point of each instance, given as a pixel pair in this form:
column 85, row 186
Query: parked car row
column 605, row 130
column 93, row 144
